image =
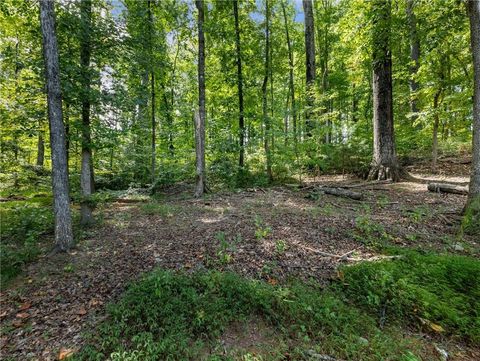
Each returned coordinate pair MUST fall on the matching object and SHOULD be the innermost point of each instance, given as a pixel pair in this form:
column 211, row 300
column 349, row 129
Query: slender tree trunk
column 40, row 149
column 200, row 115
column 61, row 197
column 414, row 58
column 291, row 78
column 152, row 93
column 85, row 54
column 67, row 132
column 266, row 119
column 241, row 123
column 385, row 164
column 473, row 202
column 310, row 64
column 436, row 122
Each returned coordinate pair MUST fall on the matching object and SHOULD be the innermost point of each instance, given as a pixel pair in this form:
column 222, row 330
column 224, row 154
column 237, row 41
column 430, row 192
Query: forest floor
column 265, row 233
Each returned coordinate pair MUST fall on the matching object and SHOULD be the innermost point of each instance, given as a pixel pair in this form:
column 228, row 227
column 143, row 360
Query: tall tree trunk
column 61, row 197
column 67, row 131
column 152, row 92
column 414, row 58
column 473, row 201
column 200, row 115
column 310, row 64
column 291, row 78
column 436, row 122
column 85, row 54
column 266, row 119
column 241, row 122
column 385, row 164
column 40, row 149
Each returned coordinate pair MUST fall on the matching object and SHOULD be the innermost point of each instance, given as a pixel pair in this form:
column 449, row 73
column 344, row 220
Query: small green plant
column 369, row 232
column 280, row 246
column 418, row 214
column 162, row 209
column 261, row 229
column 68, row 268
column 226, row 249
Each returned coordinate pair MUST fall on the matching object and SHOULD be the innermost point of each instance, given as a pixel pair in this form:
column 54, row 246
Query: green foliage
column 226, row 248
column 22, row 225
column 180, row 316
column 369, row 232
column 262, row 230
column 442, row 289
column 162, row 209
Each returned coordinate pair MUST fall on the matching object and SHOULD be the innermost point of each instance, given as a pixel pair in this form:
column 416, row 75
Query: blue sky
column 118, row 8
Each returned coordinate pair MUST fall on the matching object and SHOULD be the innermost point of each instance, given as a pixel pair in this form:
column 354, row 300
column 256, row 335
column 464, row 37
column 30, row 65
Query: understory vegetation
column 178, row 315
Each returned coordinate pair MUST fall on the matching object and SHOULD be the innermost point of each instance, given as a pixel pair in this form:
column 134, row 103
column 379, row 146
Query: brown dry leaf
column 22, row 315
column 436, row 328
column 272, row 281
column 3, row 314
column 65, row 353
column 81, row 311
column 25, row 306
column 94, row 302
column 17, row 323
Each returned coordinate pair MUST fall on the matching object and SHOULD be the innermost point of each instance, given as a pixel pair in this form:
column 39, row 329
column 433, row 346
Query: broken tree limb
column 340, row 192
column 447, row 188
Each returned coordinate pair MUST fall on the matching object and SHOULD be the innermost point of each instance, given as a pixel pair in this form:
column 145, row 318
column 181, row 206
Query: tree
column 200, row 114
column 473, row 201
column 385, row 164
column 241, row 122
column 309, row 63
column 152, row 88
column 61, row 197
column 291, row 82
column 86, row 178
column 414, row 57
column 266, row 119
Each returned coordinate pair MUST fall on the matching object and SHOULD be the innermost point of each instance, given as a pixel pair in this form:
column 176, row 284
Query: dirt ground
column 273, row 234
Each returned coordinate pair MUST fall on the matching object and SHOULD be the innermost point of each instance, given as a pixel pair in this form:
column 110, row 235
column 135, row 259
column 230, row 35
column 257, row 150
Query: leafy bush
column 22, row 225
column 442, row 290
column 179, row 316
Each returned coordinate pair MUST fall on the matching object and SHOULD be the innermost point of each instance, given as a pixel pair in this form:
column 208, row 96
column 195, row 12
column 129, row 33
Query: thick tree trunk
column 291, row 78
column 61, row 197
column 40, row 149
column 266, row 119
column 309, row 64
column 473, row 202
column 85, row 54
column 200, row 115
column 385, row 164
column 241, row 123
column 414, row 58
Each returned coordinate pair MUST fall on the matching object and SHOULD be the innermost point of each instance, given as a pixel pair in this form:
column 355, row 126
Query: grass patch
column 161, row 209
column 178, row 316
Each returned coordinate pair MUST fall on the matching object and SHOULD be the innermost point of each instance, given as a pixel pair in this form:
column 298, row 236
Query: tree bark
column 61, row 197
column 241, row 122
column 291, row 78
column 40, row 149
column 86, row 216
column 152, row 93
column 200, row 115
column 385, row 164
column 414, row 58
column 266, row 119
column 436, row 122
column 309, row 64
column 447, row 188
column 473, row 202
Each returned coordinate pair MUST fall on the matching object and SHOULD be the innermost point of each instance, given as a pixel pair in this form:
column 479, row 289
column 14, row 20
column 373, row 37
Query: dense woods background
column 142, row 91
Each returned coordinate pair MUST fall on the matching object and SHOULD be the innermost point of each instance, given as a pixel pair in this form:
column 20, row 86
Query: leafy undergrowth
column 442, row 292
column 22, row 225
column 175, row 316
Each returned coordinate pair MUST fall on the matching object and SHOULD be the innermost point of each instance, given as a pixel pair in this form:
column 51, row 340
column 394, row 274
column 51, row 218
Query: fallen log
column 447, row 188
column 340, row 192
